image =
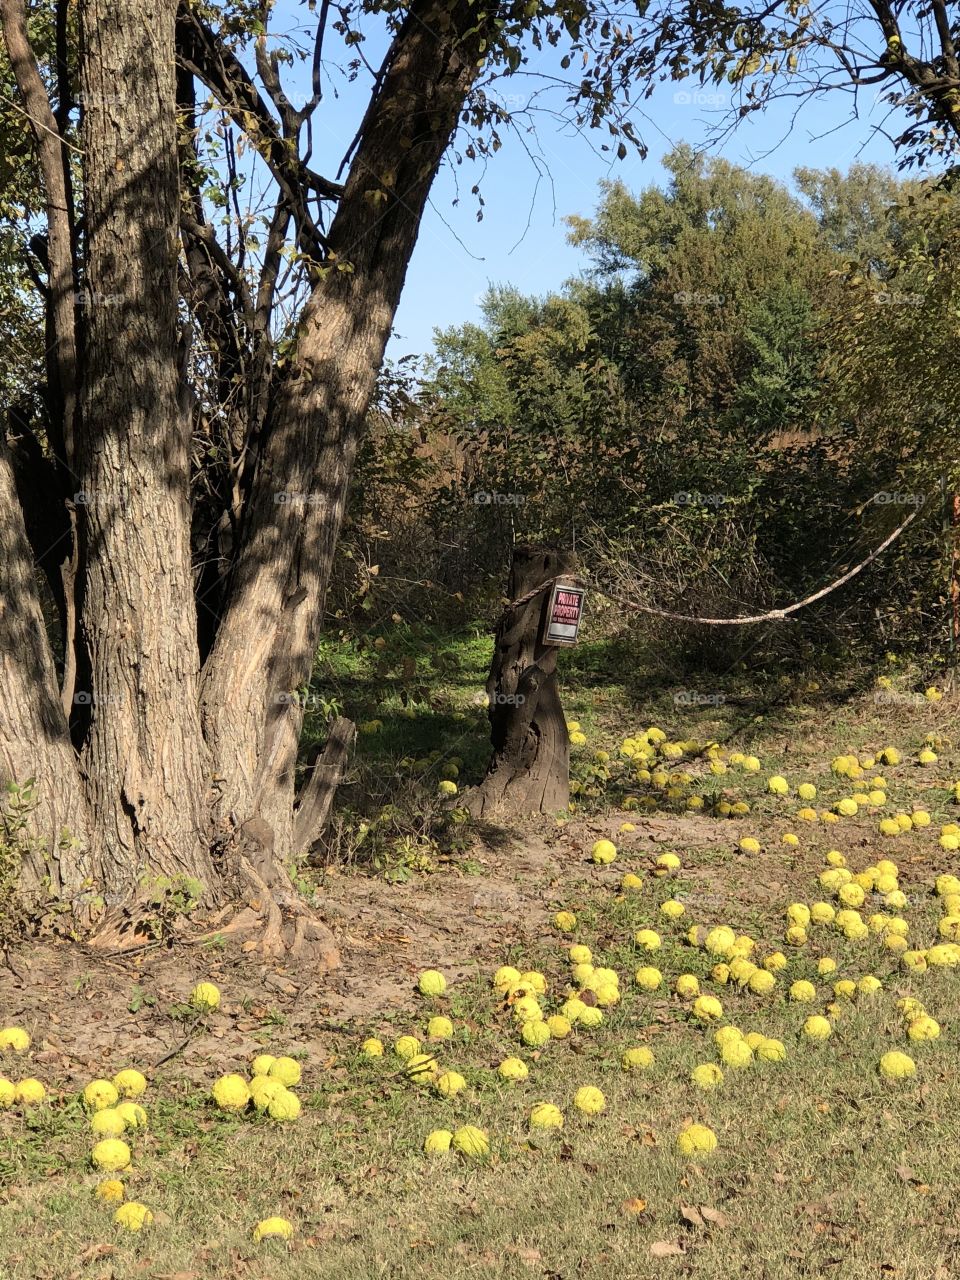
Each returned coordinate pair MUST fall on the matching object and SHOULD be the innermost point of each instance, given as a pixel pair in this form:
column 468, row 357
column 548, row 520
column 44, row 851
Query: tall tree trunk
column 44, row 479
column 266, row 642
column 269, row 634
column 34, row 737
column 143, row 758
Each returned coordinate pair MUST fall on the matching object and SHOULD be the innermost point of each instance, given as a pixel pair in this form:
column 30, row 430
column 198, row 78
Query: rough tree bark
column 44, row 478
column 174, row 767
column 34, row 736
column 529, row 771
column 266, row 641
column 143, row 759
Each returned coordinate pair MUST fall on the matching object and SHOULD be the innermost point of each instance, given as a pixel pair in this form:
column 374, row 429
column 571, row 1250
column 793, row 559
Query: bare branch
column 269, row 274
column 201, row 53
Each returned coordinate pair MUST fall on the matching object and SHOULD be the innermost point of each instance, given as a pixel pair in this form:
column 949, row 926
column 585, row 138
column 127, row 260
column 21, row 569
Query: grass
column 818, row 1157
column 822, row 1166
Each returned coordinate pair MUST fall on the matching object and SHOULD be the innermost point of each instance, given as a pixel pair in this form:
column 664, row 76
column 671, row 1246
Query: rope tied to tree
column 772, row 615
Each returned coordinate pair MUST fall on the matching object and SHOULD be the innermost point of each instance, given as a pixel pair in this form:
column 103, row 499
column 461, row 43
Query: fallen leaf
column 319, row 1238
column 97, row 1251
column 530, row 1257
column 634, row 1206
column 714, row 1216
column 665, row 1249
column 689, row 1213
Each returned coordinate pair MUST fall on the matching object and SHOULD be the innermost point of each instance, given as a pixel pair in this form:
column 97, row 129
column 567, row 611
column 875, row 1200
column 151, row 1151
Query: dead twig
column 172, row 1053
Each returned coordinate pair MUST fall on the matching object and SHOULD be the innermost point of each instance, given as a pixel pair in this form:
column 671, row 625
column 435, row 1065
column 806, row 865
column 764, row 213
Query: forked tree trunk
column 529, row 770
column 175, row 775
column 143, row 758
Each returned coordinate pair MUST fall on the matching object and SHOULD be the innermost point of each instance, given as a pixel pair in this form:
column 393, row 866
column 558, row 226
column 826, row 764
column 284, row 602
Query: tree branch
column 946, row 36
column 200, row 52
column 50, row 150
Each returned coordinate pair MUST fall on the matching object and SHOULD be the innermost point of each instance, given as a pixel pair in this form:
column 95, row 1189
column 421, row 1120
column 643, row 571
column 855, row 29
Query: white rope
column 773, row 615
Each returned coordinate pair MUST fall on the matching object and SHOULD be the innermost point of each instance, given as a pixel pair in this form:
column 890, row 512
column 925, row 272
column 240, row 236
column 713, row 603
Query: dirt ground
column 93, row 1013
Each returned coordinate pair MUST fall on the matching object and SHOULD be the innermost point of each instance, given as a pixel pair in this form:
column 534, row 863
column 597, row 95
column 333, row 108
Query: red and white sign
column 564, row 613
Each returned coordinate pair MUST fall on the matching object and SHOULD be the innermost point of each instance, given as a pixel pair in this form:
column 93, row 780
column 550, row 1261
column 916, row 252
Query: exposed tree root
column 267, row 911
column 280, row 924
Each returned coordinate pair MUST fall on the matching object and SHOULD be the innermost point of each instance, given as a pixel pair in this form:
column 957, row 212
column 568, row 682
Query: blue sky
column 522, row 238
column 456, row 257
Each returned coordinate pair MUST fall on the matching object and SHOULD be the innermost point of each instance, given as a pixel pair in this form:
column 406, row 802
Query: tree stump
column 529, row 771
